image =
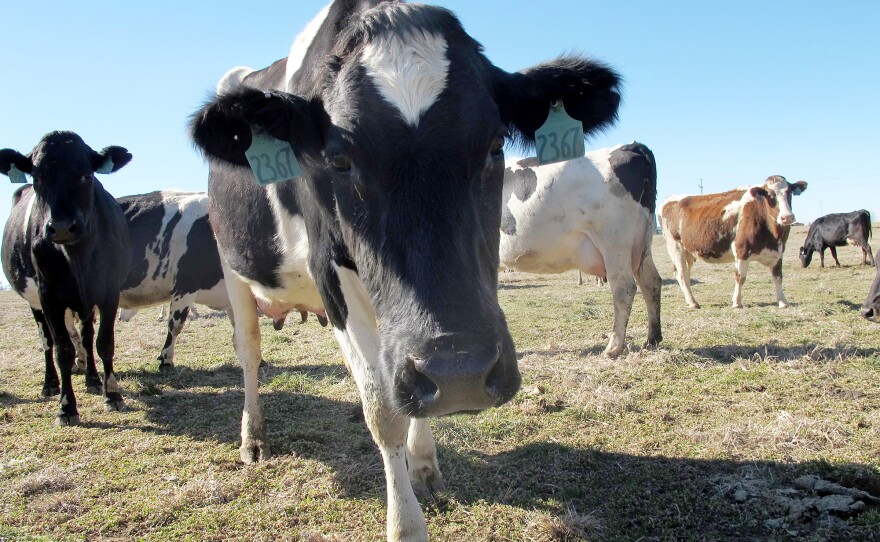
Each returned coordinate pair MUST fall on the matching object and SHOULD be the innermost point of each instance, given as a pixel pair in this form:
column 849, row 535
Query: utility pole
column 701, row 186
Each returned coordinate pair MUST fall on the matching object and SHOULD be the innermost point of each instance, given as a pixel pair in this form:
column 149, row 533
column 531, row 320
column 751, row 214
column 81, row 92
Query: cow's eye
column 497, row 148
column 340, row 163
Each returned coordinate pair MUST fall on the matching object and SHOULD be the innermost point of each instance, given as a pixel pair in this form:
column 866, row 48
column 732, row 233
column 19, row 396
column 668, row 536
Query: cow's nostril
column 73, row 228
column 495, row 378
column 51, row 230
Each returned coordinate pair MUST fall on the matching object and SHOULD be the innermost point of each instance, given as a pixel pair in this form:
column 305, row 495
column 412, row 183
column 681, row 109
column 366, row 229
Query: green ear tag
column 16, row 175
column 561, row 137
column 272, row 160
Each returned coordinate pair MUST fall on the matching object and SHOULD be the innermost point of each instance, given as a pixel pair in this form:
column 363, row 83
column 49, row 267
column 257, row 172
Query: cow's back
column 604, row 200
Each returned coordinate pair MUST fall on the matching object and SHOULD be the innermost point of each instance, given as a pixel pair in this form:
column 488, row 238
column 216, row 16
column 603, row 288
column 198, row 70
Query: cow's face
column 63, row 170
column 404, row 152
column 782, row 192
column 806, row 255
column 871, row 308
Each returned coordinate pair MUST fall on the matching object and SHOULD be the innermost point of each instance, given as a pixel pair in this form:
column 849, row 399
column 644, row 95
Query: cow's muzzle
column 445, row 383
column 64, row 232
column 871, row 313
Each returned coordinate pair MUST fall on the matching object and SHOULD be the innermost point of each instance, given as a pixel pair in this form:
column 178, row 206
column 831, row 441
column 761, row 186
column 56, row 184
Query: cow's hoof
column 64, row 420
column 79, row 368
column 114, row 402
column 783, row 305
column 612, row 353
column 695, row 306
column 166, row 368
column 735, row 306
column 49, row 392
column 653, row 342
column 426, row 483
column 254, row 450
column 94, row 385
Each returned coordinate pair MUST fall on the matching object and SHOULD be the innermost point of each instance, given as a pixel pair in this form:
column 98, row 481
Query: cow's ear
column 223, row 128
column 589, row 90
column 14, row 165
column 110, row 160
column 798, row 188
column 758, row 192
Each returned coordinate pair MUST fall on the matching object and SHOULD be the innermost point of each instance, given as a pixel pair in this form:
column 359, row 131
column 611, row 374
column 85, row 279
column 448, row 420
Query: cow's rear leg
column 177, row 315
column 246, row 339
column 623, row 291
column 682, row 261
column 421, row 458
column 834, row 255
column 106, row 346
column 867, row 254
column 87, row 342
column 650, row 283
column 51, row 384
column 81, row 358
column 776, row 271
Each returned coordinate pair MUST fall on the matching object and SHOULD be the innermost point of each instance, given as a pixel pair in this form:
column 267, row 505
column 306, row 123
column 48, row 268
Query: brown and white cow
column 737, row 226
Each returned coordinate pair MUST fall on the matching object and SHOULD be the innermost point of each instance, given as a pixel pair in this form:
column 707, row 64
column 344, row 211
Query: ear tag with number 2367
column 561, row 137
column 271, row 160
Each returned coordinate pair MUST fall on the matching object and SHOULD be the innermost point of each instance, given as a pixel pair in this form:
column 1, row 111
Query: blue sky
column 726, row 92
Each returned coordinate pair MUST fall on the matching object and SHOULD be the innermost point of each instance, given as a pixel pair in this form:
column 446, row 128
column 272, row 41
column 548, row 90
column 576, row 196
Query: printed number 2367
column 268, row 169
column 552, row 147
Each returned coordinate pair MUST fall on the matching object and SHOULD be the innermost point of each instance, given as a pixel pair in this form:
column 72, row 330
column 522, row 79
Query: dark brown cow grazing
column 737, row 226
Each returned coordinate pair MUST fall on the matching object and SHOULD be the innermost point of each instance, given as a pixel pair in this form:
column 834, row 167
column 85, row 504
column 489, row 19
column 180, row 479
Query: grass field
column 708, row 438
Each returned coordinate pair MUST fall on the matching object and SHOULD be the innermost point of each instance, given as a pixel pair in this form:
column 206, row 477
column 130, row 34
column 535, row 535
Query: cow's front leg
column 51, row 384
column 106, row 346
column 421, row 458
column 68, row 413
column 246, row 339
column 740, row 271
column 776, row 271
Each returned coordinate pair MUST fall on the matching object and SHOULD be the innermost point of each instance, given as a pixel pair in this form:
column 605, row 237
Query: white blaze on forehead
column 780, row 187
column 409, row 71
column 302, row 42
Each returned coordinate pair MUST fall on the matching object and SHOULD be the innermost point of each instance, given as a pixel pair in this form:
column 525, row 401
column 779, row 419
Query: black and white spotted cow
column 174, row 259
column 66, row 251
column 594, row 214
column 398, row 121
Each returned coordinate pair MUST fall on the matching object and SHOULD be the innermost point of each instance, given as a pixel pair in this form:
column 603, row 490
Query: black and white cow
column 594, row 214
column 398, row 121
column 836, row 230
column 173, row 259
column 66, row 251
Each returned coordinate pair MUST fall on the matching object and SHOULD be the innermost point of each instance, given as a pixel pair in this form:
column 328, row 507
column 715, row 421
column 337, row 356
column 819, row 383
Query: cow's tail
column 648, row 196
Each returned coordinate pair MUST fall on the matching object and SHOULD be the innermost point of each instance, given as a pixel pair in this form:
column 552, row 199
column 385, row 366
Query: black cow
column 66, row 251
column 173, row 259
column 836, row 230
column 398, row 121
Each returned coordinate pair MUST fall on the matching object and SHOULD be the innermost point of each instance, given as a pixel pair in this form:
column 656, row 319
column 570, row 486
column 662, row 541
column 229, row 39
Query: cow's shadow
column 632, row 495
column 727, row 353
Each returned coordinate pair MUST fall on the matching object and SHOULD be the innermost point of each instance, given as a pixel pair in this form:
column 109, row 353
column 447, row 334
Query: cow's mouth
column 871, row 313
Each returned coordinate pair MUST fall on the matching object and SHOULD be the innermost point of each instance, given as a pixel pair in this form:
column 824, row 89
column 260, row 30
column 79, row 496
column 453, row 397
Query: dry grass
column 651, row 446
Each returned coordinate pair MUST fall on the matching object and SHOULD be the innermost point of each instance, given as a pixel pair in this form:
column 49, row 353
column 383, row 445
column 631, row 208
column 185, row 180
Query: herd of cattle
column 395, row 228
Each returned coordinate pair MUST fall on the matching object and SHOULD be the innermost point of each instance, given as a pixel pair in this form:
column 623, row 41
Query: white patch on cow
column 301, row 44
column 31, row 293
column 232, row 79
column 409, row 71
column 734, row 208
column 360, row 346
column 27, row 214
